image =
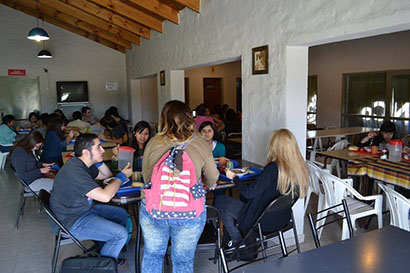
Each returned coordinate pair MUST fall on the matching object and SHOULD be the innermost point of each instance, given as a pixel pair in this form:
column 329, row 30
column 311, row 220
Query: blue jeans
column 103, row 223
column 184, row 235
column 230, row 208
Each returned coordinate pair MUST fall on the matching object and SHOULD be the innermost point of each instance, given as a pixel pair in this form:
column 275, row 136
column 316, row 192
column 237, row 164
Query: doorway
column 212, row 92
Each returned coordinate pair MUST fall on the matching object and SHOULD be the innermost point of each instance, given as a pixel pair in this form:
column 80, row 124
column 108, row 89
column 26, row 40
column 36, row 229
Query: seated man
column 87, row 117
column 75, row 189
column 78, row 124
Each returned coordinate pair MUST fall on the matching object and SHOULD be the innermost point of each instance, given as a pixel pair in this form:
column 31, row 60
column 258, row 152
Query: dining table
column 378, row 251
column 338, row 133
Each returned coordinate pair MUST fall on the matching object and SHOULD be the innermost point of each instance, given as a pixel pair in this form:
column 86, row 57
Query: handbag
column 89, row 263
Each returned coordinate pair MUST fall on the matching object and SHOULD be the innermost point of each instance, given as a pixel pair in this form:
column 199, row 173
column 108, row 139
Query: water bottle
column 395, row 149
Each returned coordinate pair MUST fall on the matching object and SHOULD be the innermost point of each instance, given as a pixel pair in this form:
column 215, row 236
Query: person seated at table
column 42, row 123
column 113, row 112
column 210, row 134
column 60, row 113
column 386, row 133
column 32, row 121
column 200, row 118
column 113, row 131
column 285, row 173
column 55, row 141
column 87, row 116
column 26, row 165
column 141, row 135
column 78, row 123
column 232, row 122
column 7, row 133
column 75, row 190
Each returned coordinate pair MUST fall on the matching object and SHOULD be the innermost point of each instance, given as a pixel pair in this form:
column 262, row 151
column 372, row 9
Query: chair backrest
column 336, row 189
column 43, row 198
column 314, row 177
column 399, row 208
column 338, row 209
column 340, row 145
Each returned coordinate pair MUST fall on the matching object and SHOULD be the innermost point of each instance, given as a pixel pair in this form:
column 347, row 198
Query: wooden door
column 212, row 92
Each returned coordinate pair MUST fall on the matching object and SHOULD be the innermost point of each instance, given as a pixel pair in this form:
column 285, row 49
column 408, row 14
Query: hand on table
column 230, row 174
column 127, row 170
column 45, row 170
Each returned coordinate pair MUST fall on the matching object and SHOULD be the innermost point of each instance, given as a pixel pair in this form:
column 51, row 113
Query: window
column 312, row 100
column 370, row 98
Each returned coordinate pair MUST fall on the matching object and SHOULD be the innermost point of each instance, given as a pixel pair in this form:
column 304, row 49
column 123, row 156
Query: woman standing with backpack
column 174, row 203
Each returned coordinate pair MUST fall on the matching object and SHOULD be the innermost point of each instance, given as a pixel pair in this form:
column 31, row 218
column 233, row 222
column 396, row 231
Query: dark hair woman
column 55, row 142
column 7, row 133
column 141, row 135
column 177, row 128
column 210, row 134
column 26, row 165
column 382, row 138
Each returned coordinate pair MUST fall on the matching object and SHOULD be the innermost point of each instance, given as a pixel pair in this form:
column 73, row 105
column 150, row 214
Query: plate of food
column 243, row 173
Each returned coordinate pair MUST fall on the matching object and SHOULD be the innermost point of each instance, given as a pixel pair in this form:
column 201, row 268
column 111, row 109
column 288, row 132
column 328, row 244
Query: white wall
column 330, row 61
column 75, row 58
column 149, row 99
column 229, row 72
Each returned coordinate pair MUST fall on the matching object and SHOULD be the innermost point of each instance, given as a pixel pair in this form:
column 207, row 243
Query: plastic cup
column 375, row 149
column 125, row 155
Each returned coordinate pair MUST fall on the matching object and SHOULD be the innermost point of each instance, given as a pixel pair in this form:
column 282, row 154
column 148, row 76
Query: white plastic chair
column 399, row 207
column 314, row 186
column 340, row 145
column 337, row 189
column 3, row 156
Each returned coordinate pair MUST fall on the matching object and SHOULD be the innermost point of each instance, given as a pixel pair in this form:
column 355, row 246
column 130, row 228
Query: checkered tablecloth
column 397, row 173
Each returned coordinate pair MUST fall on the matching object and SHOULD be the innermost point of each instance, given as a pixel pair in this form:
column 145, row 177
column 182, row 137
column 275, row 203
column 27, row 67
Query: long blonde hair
column 293, row 175
column 176, row 123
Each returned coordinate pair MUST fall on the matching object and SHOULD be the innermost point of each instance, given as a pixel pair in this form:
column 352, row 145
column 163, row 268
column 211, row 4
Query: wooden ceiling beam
column 92, row 20
column 158, row 8
column 132, row 13
column 15, row 4
column 110, row 17
column 195, row 5
column 46, row 10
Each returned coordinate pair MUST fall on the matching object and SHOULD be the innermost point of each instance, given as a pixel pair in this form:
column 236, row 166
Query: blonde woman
column 285, row 173
column 176, row 128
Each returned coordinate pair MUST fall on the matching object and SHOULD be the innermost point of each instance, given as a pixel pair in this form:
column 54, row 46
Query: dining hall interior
column 335, row 71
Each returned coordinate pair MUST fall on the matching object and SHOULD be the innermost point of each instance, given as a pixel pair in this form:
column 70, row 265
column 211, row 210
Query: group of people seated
column 183, row 152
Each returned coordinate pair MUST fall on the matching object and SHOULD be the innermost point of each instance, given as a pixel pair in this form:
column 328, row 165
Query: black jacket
column 26, row 165
column 261, row 193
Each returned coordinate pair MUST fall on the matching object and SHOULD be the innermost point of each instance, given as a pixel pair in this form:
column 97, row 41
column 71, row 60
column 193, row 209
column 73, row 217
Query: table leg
column 138, row 241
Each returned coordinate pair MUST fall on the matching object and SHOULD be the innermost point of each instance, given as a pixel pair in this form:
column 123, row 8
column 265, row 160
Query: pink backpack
column 175, row 191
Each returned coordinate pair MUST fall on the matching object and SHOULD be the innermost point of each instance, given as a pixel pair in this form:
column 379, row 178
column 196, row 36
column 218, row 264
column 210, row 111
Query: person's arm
column 104, row 195
column 368, row 140
column 257, row 187
column 112, row 140
column 20, row 161
column 103, row 171
column 210, row 172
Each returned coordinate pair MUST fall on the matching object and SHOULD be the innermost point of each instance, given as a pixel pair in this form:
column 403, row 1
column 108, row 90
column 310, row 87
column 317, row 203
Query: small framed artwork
column 260, row 57
column 162, row 77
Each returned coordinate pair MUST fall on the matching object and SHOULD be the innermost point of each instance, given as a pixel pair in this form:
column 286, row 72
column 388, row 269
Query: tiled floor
column 29, row 249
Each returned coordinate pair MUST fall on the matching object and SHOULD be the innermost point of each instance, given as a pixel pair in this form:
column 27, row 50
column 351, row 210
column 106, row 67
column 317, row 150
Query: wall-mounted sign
column 111, row 86
column 17, row 72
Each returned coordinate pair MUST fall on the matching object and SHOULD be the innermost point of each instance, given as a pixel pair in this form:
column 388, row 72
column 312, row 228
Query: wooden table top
column 344, row 154
column 338, row 132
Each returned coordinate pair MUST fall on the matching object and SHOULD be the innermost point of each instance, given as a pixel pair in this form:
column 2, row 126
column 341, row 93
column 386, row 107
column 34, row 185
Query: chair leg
column 283, row 244
column 261, row 242
column 307, row 200
column 223, row 260
column 56, row 250
column 295, row 233
column 20, row 209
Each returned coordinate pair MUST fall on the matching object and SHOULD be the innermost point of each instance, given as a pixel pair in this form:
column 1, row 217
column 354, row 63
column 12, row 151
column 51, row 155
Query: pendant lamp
column 44, row 53
column 38, row 34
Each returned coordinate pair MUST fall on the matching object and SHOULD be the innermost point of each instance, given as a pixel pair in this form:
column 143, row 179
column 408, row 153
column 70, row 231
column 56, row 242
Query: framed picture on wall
column 162, row 77
column 260, row 58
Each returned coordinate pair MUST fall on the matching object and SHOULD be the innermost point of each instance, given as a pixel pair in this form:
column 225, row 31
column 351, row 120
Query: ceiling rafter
column 158, row 8
column 129, row 12
column 17, row 4
column 92, row 20
column 192, row 4
column 110, row 17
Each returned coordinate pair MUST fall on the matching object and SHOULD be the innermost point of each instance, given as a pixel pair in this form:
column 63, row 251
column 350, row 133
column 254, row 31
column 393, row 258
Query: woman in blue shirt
column 209, row 133
column 55, row 142
column 7, row 133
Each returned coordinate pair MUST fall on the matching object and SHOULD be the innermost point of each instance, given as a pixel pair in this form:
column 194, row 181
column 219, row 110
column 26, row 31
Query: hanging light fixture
column 44, row 53
column 38, row 34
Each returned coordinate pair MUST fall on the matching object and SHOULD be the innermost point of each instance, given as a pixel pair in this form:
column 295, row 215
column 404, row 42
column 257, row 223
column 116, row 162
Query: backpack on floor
column 176, row 192
column 89, row 263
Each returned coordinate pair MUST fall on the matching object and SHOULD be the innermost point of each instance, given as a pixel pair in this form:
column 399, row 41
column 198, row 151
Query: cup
column 375, row 149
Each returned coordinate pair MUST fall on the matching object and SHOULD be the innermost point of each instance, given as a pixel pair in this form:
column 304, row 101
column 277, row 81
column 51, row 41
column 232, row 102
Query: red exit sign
column 17, row 72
